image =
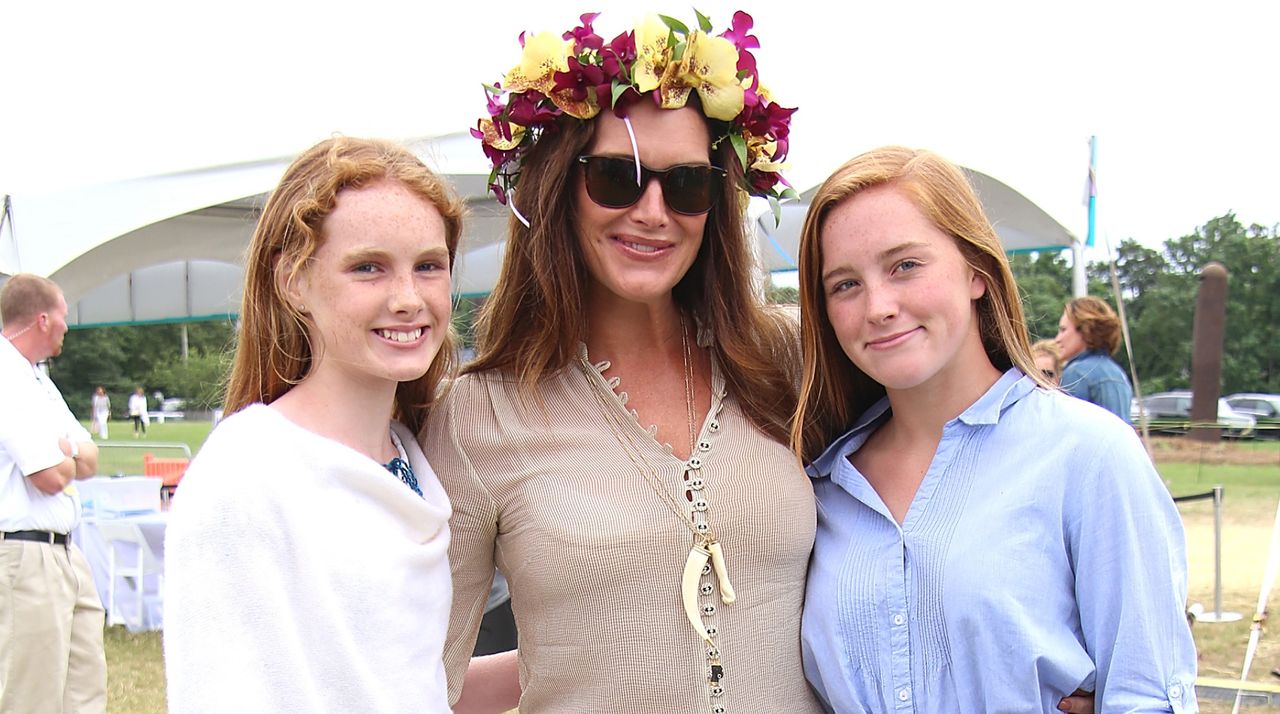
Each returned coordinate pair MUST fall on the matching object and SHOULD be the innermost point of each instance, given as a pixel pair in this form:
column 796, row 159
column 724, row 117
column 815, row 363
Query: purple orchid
column 617, row 56
column 494, row 104
column 768, row 120
column 738, row 33
column 531, row 107
column 585, row 37
column 580, row 79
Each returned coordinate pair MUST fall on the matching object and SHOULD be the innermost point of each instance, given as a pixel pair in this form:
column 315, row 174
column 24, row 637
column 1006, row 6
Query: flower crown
column 578, row 74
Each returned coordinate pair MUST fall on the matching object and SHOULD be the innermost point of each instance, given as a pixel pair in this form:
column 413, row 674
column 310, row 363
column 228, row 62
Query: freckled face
column 899, row 294
column 641, row 252
column 377, row 289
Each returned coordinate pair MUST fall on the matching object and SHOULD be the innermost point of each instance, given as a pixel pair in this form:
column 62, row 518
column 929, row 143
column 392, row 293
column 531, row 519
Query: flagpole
column 1079, row 280
column 1093, row 189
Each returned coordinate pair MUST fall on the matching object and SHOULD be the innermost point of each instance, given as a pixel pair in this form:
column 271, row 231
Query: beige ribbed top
column 594, row 557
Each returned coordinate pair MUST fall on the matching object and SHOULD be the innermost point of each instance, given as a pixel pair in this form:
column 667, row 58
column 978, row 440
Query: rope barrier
column 1193, row 497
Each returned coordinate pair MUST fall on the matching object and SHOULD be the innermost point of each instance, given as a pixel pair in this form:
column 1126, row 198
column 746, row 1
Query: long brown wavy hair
column 274, row 344
column 530, row 326
column 833, row 391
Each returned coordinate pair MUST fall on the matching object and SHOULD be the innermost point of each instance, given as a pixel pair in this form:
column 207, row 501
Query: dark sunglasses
column 688, row 189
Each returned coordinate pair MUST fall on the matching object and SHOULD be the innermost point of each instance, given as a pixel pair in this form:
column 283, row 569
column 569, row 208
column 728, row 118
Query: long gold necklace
column 706, row 547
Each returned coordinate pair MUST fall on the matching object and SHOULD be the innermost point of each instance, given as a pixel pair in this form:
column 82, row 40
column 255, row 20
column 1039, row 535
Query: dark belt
column 36, row 537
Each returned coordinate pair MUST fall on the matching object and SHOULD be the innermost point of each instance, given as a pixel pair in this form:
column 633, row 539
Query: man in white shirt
column 51, row 617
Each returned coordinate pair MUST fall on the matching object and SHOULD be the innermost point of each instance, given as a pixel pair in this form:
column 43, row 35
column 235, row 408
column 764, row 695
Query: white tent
column 170, row 247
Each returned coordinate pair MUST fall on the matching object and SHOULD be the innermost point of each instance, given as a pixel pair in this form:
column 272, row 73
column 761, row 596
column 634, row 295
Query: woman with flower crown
column 618, row 447
column 971, row 554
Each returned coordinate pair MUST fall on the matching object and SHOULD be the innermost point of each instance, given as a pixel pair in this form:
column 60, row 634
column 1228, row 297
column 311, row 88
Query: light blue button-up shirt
column 1041, row 554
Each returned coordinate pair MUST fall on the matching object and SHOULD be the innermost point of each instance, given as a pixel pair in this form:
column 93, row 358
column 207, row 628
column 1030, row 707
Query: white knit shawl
column 303, row 576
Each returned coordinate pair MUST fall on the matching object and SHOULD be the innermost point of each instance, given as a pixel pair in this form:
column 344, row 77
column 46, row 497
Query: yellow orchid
column 652, row 53
column 494, row 138
column 709, row 65
column 544, row 54
column 760, row 154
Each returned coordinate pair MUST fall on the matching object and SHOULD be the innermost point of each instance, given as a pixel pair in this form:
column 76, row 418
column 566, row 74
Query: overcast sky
column 1183, row 96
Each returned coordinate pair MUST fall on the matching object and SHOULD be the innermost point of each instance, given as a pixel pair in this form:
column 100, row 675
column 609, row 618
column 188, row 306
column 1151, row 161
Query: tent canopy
column 170, row 247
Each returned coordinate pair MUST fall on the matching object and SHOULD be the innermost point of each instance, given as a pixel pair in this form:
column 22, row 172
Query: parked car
column 1265, row 408
column 1170, row 413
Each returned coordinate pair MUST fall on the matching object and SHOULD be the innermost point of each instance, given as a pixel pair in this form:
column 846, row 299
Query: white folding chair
column 129, row 556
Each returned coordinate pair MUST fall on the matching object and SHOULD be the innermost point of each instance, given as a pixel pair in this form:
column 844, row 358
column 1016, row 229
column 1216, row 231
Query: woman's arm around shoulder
column 492, row 684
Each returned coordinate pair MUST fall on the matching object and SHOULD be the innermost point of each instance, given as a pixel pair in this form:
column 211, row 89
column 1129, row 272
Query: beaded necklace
column 706, row 546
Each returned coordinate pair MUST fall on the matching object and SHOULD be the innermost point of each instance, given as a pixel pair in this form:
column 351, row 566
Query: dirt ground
column 1175, row 449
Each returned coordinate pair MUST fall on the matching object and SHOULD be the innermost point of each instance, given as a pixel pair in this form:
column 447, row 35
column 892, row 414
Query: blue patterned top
column 399, row 466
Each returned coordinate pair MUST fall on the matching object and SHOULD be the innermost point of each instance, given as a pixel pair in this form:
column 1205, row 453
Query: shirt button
column 898, row 619
column 706, row 569
column 704, row 445
column 1175, row 692
column 708, row 610
column 699, row 505
column 714, row 425
column 696, row 484
column 695, row 463
column 702, row 527
column 904, row 694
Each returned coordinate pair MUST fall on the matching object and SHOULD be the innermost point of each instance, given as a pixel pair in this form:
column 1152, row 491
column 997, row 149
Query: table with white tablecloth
column 99, row 496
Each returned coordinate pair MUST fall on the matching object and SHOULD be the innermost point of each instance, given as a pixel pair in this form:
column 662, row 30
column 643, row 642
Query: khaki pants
column 51, row 619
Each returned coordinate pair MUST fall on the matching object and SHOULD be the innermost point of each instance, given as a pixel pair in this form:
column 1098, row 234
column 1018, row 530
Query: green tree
column 1044, row 279
column 123, row 357
column 1159, row 290
column 200, row 379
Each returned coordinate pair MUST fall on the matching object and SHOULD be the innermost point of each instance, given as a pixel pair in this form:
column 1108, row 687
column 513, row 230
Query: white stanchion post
column 1218, row 615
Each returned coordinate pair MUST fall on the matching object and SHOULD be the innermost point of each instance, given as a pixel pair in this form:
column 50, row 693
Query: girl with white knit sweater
column 307, row 548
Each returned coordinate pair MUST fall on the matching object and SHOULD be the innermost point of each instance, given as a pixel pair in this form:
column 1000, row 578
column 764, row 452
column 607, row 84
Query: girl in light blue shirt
column 985, row 543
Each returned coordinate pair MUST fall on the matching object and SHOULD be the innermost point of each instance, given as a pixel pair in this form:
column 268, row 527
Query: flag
column 1091, row 189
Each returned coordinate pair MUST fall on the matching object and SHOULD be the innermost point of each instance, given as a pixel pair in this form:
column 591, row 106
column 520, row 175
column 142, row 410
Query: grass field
column 121, row 455
column 1248, row 472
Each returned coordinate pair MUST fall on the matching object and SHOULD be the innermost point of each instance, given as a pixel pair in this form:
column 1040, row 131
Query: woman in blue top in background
column 1088, row 333
column 984, row 543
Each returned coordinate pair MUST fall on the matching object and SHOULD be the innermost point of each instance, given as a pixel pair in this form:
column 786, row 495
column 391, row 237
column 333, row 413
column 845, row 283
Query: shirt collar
column 1086, row 354
column 1012, row 386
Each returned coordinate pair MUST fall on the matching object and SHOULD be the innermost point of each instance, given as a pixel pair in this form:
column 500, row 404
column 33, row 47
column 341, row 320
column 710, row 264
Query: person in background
column 51, row 618
column 307, row 560
column 1048, row 360
column 138, row 412
column 972, row 554
column 1088, row 334
column 100, row 407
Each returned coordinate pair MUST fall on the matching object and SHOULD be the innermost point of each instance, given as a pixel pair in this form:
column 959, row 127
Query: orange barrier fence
column 168, row 469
